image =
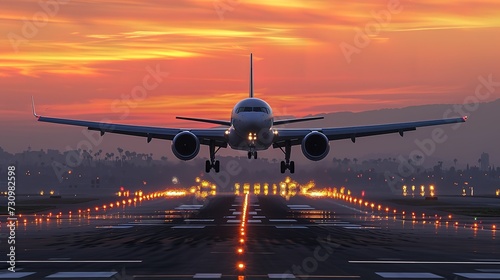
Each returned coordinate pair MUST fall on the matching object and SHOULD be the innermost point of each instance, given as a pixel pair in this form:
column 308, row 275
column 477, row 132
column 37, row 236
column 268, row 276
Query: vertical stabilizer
column 251, row 76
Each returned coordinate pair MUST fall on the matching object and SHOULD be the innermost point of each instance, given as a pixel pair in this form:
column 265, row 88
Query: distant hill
column 481, row 133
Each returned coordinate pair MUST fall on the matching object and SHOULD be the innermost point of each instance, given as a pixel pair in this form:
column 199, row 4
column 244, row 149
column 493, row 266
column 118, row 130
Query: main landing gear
column 212, row 163
column 287, row 164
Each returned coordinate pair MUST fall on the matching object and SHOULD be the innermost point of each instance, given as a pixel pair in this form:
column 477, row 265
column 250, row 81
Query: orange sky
column 83, row 58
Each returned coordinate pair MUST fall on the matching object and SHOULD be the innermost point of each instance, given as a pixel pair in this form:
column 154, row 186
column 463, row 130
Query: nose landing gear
column 252, row 153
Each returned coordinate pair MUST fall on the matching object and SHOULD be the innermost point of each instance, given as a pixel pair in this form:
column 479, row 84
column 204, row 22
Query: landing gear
column 252, row 153
column 212, row 163
column 287, row 164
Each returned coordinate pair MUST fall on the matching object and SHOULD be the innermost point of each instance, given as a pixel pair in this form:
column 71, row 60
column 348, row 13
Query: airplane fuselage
column 251, row 125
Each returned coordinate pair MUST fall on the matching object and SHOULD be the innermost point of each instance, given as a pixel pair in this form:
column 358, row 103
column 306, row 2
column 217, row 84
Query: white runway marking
column 189, row 207
column 80, row 261
column 254, row 221
column 207, row 275
column 289, row 227
column 423, row 262
column 329, row 222
column 234, row 221
column 236, row 205
column 299, row 206
column 259, row 217
column 252, row 213
column 148, row 222
column 198, row 220
column 143, row 224
column 232, row 209
column 236, row 213
column 282, row 220
column 14, row 275
column 412, row 275
column 113, row 226
column 72, row 275
column 281, row 276
column 229, row 217
column 190, row 226
column 479, row 275
column 258, row 209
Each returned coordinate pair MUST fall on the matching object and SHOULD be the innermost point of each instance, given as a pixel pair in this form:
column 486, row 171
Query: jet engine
column 315, row 146
column 185, row 145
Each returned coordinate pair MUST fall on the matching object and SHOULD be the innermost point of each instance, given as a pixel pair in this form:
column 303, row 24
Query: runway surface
column 302, row 238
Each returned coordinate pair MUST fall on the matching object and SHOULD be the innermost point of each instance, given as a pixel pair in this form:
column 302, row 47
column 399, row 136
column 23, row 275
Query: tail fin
column 251, row 76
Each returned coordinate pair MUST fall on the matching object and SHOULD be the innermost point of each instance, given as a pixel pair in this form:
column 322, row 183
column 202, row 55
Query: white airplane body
column 252, row 128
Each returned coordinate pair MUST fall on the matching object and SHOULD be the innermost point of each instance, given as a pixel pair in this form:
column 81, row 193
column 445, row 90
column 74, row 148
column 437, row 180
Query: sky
column 145, row 62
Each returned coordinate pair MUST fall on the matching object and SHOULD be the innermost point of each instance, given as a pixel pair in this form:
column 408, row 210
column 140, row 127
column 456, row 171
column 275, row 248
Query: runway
column 301, row 238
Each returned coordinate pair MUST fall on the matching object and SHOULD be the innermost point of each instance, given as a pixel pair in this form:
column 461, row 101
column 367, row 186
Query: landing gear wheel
column 283, row 167
column 217, row 166
column 249, row 155
column 291, row 166
column 208, row 166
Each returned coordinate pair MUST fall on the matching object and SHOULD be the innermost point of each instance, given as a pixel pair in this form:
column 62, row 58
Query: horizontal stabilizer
column 226, row 123
column 297, row 120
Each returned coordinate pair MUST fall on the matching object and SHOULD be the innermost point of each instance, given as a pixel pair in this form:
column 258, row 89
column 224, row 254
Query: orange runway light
column 241, row 239
column 240, row 251
column 493, row 226
column 241, row 266
column 456, row 223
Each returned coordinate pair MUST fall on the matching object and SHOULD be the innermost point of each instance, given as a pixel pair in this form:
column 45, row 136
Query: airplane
column 252, row 128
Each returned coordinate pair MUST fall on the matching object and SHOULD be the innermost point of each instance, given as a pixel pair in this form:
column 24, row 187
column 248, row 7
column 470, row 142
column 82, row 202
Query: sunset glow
column 83, row 58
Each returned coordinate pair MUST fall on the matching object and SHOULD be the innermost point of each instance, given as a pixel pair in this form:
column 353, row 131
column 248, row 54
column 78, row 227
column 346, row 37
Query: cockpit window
column 253, row 109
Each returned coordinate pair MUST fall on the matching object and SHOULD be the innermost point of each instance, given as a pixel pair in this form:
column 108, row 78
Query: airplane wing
column 226, row 123
column 295, row 136
column 149, row 132
column 280, row 122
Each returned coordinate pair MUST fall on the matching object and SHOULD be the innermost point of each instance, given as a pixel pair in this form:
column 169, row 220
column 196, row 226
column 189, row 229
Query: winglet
column 33, row 107
column 251, row 76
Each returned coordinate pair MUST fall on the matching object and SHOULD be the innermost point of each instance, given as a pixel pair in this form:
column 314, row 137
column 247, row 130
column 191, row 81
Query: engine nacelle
column 315, row 146
column 185, row 145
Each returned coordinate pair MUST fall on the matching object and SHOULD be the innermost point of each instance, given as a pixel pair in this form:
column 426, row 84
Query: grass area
column 472, row 211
